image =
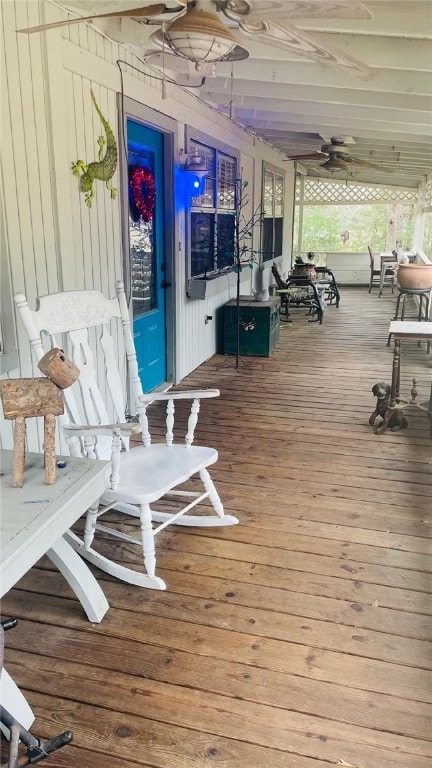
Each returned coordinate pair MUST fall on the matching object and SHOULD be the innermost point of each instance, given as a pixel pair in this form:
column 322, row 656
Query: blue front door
column 146, row 239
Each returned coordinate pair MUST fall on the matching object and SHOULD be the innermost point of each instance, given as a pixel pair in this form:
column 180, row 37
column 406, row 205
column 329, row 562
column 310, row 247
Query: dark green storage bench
column 259, row 326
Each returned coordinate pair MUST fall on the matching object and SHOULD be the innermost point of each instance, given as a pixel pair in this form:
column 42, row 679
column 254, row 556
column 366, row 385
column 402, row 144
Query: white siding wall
column 350, row 268
column 53, row 241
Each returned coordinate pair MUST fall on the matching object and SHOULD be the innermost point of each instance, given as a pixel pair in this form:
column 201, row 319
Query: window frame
column 268, row 168
column 194, row 138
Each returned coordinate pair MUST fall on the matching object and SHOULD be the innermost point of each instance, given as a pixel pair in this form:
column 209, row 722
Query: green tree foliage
column 323, row 226
column 427, row 238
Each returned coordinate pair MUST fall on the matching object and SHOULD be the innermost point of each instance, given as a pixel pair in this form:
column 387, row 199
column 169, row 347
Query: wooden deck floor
column 299, row 638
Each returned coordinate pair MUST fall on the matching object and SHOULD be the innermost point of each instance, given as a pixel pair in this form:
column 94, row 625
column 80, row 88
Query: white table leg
column 15, row 702
column 80, row 578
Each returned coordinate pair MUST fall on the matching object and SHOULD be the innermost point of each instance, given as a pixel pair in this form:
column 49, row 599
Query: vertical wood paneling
column 17, row 195
column 26, row 177
column 55, row 241
column 73, row 271
column 58, row 116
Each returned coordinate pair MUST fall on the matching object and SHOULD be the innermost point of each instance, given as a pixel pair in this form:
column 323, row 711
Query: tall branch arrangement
column 244, row 255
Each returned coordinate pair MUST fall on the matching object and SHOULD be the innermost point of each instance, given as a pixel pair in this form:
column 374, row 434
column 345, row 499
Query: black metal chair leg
column 36, row 749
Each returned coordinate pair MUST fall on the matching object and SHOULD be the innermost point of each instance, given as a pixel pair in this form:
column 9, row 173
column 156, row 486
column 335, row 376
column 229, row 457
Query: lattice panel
column 279, row 196
column 319, row 192
column 428, row 195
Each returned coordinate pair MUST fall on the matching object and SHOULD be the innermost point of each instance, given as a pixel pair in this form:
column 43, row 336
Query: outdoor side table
column 411, row 331
column 34, row 519
column 388, row 261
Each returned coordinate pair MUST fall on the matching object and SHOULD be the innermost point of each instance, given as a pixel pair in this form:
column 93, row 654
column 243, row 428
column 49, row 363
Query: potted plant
column 414, row 276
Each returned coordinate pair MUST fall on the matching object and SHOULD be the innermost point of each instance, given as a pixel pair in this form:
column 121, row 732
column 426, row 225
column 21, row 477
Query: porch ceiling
column 297, row 105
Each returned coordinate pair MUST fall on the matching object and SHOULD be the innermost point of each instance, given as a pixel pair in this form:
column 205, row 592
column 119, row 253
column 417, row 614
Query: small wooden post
column 19, row 452
column 49, row 448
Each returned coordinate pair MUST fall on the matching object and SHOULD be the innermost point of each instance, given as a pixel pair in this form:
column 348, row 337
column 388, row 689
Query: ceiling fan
column 194, row 31
column 336, row 156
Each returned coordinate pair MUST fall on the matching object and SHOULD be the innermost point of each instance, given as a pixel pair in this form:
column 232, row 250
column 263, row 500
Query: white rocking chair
column 143, row 475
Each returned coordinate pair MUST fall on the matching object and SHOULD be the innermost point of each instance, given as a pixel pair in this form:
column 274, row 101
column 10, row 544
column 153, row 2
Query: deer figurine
column 26, row 398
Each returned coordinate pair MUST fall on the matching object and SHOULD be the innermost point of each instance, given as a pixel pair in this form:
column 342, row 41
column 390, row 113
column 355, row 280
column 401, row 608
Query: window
column 350, row 228
column 212, row 218
column 273, row 206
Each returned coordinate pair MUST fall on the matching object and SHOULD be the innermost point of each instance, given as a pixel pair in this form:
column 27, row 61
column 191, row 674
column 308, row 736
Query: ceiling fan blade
column 311, row 156
column 296, row 41
column 146, row 11
column 367, row 164
column 298, row 9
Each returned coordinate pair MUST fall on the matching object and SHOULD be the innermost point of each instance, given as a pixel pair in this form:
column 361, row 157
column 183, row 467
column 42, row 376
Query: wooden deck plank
column 167, row 708
column 323, row 608
column 301, row 694
column 268, row 653
column 156, row 745
column 299, row 638
column 279, row 625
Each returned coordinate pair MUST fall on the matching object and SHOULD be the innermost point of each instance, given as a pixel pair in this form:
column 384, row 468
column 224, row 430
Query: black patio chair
column 301, row 292
column 332, row 293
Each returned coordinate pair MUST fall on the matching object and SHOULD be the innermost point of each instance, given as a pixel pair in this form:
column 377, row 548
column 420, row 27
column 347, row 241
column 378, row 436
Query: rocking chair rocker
column 140, row 477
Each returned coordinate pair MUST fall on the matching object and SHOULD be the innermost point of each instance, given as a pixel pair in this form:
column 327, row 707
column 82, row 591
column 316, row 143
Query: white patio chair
column 95, row 426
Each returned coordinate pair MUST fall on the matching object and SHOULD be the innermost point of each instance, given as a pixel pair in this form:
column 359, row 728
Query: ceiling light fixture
column 334, row 164
column 201, row 37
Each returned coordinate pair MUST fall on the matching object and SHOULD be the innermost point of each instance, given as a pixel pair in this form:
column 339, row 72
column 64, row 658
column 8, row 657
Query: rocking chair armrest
column 193, row 394
column 127, row 430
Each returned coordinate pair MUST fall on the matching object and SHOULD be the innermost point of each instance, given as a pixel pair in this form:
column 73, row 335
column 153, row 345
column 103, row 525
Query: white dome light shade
column 200, row 37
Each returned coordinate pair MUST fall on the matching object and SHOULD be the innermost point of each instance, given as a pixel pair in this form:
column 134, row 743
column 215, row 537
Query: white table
column 410, row 331
column 33, row 521
column 387, row 261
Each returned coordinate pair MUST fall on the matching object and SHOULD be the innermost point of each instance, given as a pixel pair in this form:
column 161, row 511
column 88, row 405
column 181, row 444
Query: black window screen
column 273, row 203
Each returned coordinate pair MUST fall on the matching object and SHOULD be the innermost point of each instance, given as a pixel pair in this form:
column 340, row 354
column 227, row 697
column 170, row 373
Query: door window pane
column 142, row 199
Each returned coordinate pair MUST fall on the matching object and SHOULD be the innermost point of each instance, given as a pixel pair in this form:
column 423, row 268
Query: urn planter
column 414, row 276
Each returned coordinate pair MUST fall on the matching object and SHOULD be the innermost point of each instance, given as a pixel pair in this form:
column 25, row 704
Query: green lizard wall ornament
column 104, row 169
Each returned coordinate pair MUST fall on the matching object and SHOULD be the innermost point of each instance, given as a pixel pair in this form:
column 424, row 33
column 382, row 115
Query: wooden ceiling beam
column 293, row 108
column 287, row 73
column 347, row 126
column 320, row 93
column 393, row 18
